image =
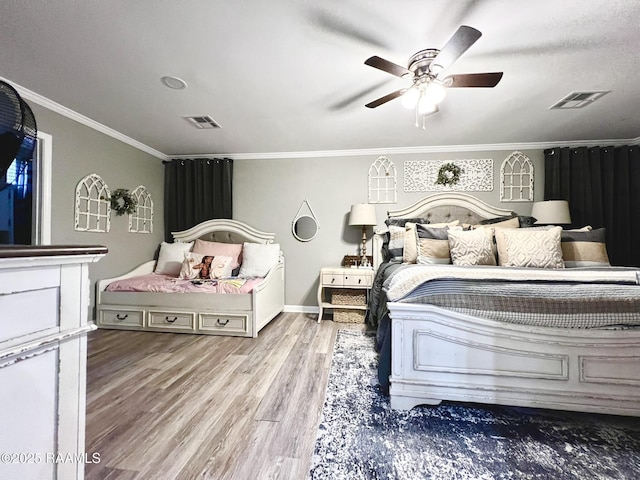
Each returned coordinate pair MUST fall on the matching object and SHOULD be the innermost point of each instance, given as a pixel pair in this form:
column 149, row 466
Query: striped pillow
column 433, row 244
column 584, row 248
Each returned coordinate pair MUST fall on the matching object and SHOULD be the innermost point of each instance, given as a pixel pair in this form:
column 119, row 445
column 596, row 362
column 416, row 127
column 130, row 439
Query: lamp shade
column 551, row 212
column 362, row 214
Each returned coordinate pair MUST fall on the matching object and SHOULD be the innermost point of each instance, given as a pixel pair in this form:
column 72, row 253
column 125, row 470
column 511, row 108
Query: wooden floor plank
column 162, row 405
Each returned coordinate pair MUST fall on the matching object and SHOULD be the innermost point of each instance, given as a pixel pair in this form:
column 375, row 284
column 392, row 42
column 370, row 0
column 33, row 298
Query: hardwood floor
column 177, row 406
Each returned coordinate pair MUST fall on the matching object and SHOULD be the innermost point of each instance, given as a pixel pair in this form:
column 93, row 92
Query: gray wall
column 79, row 150
column 268, row 193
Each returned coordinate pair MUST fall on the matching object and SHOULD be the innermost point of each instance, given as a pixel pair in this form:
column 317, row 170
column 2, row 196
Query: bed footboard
column 443, row 355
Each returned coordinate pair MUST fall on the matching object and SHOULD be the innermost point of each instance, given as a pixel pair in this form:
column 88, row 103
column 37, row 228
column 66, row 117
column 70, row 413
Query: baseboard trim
column 301, row 309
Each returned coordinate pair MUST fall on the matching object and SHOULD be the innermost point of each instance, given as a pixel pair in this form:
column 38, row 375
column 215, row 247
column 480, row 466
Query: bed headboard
column 441, row 208
column 224, row 231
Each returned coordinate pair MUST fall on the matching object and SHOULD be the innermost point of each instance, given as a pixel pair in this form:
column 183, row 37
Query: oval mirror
column 305, row 228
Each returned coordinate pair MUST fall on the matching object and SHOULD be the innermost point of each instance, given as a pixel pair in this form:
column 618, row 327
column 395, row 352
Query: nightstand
column 333, row 278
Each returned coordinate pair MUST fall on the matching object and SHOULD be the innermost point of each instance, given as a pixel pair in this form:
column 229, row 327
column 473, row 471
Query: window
column 142, row 220
column 93, row 206
column 516, row 178
column 382, row 181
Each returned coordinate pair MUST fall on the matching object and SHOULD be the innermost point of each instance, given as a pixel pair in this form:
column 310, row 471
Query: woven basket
column 348, row 296
column 342, row 315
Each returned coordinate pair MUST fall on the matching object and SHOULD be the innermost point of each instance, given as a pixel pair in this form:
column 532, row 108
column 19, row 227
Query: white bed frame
column 202, row 313
column 439, row 354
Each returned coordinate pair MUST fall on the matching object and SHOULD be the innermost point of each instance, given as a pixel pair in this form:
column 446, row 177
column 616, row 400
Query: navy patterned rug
column 360, row 437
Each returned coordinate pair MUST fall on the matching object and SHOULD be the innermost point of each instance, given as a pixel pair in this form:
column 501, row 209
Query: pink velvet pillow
column 233, row 250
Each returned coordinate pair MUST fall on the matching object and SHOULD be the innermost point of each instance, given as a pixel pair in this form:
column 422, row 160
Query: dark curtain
column 602, row 186
column 196, row 190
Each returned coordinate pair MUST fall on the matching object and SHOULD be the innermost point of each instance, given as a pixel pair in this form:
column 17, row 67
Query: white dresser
column 44, row 302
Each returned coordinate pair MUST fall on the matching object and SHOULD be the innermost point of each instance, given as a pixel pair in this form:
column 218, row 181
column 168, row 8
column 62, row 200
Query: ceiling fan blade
column 459, row 43
column 387, row 66
column 386, row 98
column 473, row 80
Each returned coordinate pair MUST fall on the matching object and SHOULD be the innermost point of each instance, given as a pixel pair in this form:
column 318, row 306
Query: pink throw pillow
column 214, row 249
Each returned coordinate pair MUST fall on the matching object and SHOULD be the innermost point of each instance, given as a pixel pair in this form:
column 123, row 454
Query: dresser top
column 18, row 251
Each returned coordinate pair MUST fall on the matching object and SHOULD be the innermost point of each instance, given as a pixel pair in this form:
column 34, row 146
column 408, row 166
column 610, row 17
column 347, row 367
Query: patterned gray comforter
column 567, row 298
column 570, row 298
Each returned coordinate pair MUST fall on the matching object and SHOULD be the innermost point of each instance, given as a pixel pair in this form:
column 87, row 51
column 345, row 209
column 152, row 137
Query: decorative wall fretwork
column 421, row 175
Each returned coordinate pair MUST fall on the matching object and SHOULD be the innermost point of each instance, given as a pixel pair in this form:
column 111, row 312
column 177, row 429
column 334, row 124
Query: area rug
column 360, row 437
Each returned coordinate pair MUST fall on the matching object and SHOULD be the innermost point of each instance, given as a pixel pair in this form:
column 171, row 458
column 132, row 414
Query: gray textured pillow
column 472, row 247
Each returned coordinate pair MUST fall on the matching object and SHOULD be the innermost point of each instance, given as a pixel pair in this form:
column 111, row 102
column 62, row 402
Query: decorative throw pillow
column 394, row 243
column 584, row 248
column 533, row 248
column 170, row 257
column 410, row 251
column 213, row 249
column 501, row 243
column 523, row 220
column 510, row 223
column 433, row 244
column 190, row 260
column 472, row 247
column 220, row 267
column 395, row 247
column 258, row 259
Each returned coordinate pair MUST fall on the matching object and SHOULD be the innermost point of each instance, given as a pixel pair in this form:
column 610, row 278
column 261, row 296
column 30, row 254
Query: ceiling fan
column 18, row 129
column 427, row 90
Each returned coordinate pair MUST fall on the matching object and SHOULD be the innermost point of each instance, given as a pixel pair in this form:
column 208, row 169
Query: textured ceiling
column 288, row 75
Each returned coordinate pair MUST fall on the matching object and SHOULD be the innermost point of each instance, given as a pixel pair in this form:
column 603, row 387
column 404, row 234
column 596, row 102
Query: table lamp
column 551, row 212
column 364, row 215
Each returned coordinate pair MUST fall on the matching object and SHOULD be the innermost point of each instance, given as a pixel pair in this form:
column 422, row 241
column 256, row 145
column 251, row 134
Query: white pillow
column 258, row 259
column 537, row 248
column 171, row 257
column 191, row 259
column 472, row 247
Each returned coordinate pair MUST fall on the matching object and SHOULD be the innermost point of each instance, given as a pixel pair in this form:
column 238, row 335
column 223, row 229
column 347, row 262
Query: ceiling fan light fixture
column 425, row 107
column 410, row 98
column 434, row 93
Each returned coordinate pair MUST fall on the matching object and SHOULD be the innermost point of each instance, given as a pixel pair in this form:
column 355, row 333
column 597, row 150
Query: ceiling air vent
column 203, row 121
column 579, row 99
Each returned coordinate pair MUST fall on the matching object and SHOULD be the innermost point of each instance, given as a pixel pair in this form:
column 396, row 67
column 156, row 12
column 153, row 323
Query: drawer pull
column 359, row 281
column 333, row 280
column 124, row 317
column 170, row 320
column 222, row 324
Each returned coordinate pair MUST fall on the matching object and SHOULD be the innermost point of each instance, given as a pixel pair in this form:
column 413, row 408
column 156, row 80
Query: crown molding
column 82, row 119
column 415, row 150
column 78, row 117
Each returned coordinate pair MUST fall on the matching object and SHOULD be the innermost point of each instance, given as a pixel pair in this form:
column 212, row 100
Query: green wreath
column 122, row 202
column 449, row 174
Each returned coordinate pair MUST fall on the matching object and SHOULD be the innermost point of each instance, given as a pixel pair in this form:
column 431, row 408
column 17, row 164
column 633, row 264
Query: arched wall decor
column 516, row 178
column 142, row 220
column 382, row 181
column 93, row 206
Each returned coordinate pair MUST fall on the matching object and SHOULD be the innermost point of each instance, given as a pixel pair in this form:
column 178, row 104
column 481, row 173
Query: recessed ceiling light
column 174, row 82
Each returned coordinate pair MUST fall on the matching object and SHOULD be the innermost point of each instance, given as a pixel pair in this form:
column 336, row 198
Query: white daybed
column 439, row 354
column 242, row 314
